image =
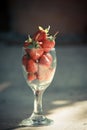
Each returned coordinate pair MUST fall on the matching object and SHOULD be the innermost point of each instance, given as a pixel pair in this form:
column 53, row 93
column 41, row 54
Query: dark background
column 21, row 17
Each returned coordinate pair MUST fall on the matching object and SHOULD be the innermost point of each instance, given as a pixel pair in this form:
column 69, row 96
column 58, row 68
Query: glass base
column 36, row 120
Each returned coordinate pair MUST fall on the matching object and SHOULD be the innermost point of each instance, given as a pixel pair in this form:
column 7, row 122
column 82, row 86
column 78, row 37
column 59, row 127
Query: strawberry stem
column 55, row 34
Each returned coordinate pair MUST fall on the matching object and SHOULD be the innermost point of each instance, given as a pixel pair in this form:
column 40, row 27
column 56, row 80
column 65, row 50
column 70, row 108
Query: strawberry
column 31, row 76
column 31, row 66
column 24, row 60
column 41, row 73
column 46, row 59
column 49, row 56
column 44, row 73
column 41, row 34
column 49, row 74
column 34, row 50
column 35, row 53
column 48, row 44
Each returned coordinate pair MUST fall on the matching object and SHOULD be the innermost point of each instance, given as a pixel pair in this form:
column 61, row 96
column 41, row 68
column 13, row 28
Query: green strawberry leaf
column 29, row 39
column 35, row 44
column 47, row 29
column 30, row 46
column 51, row 38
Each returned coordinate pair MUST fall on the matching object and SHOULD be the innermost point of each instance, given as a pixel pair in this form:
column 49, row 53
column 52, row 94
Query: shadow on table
column 18, row 103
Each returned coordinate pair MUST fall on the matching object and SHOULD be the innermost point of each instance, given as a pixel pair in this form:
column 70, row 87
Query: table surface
column 65, row 100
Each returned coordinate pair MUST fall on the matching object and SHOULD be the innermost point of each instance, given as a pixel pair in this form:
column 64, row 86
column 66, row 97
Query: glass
column 43, row 75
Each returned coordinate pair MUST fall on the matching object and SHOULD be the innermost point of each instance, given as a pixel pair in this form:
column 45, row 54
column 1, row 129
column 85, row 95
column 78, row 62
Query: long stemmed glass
column 38, row 81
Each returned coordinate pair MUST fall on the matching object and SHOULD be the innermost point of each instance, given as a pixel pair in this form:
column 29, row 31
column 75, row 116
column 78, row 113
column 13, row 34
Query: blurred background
column 21, row 17
column 68, row 90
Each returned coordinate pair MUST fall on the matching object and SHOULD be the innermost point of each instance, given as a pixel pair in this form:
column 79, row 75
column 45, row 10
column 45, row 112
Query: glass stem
column 38, row 102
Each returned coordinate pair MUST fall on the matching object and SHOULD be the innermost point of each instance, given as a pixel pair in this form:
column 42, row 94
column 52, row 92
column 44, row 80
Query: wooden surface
column 65, row 100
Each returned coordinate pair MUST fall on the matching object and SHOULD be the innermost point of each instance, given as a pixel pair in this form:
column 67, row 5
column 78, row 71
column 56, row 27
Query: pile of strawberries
column 37, row 59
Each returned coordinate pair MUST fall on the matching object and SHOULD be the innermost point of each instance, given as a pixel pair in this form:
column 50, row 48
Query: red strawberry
column 49, row 56
column 39, row 35
column 44, row 73
column 49, row 74
column 24, row 60
column 41, row 73
column 35, row 53
column 31, row 66
column 31, row 76
column 46, row 59
column 48, row 44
